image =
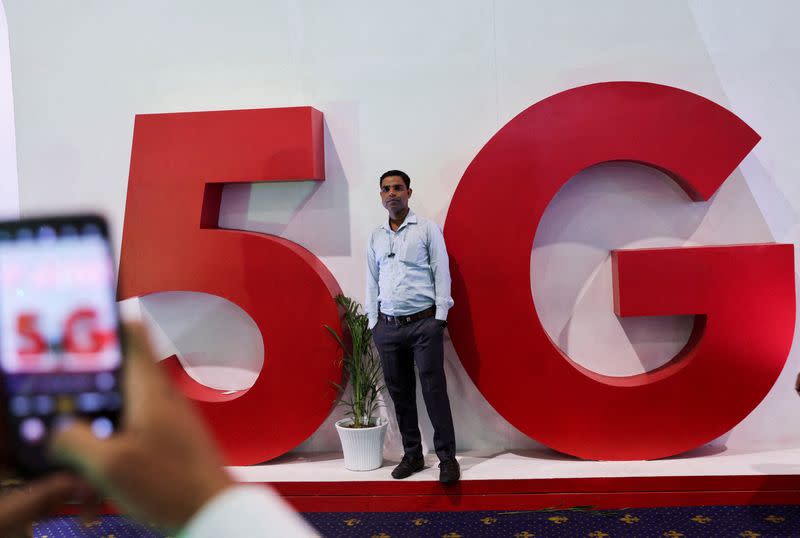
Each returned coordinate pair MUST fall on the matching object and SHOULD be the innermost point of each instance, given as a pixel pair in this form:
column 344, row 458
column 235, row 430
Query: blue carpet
column 679, row 522
column 105, row 527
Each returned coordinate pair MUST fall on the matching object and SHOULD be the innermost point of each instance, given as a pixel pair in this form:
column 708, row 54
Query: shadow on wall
column 621, row 205
column 199, row 329
column 314, row 214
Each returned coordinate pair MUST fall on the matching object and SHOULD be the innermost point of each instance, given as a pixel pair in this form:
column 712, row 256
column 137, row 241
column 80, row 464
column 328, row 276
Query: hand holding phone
column 162, row 466
column 64, row 392
column 60, row 349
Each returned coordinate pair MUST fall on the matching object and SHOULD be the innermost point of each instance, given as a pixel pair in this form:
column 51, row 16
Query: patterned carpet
column 680, row 522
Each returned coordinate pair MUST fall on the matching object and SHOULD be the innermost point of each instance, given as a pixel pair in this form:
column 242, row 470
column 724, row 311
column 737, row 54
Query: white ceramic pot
column 362, row 447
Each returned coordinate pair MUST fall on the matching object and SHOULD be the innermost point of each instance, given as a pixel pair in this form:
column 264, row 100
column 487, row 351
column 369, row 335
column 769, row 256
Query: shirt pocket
column 413, row 252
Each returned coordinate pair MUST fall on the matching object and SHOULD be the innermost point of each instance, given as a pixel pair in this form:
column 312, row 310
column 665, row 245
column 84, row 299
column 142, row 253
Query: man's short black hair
column 398, row 173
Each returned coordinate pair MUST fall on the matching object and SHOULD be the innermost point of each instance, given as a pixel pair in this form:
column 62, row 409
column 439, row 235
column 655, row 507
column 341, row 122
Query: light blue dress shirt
column 416, row 277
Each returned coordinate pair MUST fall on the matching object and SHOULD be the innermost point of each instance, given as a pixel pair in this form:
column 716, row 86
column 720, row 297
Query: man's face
column 394, row 194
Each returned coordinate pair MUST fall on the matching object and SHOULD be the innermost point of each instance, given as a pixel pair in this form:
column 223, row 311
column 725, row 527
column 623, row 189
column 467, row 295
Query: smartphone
column 60, row 339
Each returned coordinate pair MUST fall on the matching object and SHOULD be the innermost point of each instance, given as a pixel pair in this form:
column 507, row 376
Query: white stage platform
column 537, row 479
column 534, row 464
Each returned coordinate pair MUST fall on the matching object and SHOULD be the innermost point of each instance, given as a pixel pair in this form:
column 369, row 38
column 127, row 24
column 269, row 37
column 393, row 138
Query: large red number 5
column 171, row 242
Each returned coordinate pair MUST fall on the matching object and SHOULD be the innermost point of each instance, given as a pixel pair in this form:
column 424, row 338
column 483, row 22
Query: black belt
column 411, row 318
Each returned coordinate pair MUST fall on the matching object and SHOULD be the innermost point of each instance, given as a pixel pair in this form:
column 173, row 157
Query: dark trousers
column 400, row 347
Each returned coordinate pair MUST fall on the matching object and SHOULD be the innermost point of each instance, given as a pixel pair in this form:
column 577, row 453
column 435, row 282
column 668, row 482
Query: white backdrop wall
column 419, row 86
column 9, row 193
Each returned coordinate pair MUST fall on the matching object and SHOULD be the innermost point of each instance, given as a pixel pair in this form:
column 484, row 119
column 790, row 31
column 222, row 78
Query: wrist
column 205, row 494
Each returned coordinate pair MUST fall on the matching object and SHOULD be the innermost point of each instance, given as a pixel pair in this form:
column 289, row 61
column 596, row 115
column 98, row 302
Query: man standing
column 408, row 296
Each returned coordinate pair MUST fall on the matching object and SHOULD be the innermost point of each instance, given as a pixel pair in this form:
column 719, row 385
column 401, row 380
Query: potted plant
column 361, row 433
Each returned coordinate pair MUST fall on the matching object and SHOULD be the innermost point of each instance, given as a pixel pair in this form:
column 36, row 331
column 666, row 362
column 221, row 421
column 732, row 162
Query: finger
column 147, row 387
column 104, row 463
column 78, row 447
column 149, row 392
column 139, row 352
column 21, row 507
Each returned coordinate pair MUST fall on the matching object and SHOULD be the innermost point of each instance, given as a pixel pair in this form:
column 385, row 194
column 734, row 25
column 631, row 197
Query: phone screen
column 60, row 351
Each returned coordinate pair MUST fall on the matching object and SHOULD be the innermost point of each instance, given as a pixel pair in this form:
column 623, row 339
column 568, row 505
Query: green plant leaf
column 361, row 363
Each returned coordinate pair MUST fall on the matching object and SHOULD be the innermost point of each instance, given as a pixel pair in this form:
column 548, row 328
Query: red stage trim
column 534, row 494
column 530, row 494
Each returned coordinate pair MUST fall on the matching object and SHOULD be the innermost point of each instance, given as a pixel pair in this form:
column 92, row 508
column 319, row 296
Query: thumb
column 78, row 447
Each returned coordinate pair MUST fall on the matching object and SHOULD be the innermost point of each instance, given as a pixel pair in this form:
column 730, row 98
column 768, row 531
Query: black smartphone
column 60, row 340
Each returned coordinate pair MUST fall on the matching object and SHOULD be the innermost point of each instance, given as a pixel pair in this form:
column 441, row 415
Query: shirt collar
column 411, row 218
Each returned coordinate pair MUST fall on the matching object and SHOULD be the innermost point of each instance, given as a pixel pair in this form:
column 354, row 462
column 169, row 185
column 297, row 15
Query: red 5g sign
column 179, row 164
column 743, row 296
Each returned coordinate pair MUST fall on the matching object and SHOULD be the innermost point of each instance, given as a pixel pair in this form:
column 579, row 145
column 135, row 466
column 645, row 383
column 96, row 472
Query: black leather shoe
column 449, row 471
column 408, row 466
